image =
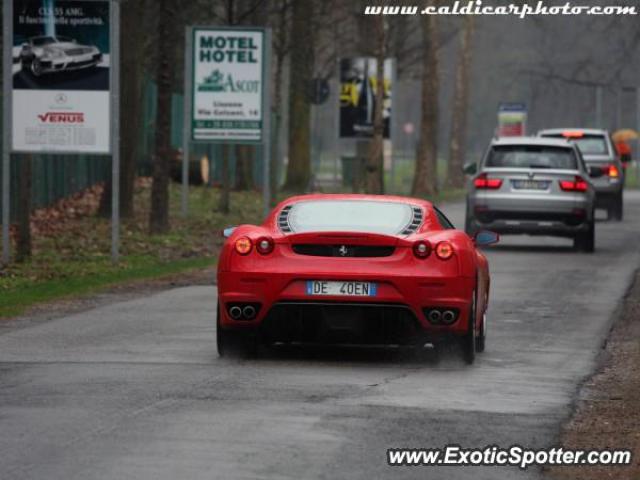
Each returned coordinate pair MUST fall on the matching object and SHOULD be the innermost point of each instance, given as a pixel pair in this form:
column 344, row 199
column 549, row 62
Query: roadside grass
column 71, row 254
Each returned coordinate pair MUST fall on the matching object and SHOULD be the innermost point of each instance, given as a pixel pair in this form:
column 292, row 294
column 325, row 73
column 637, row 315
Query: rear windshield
column 531, row 156
column 588, row 144
column 350, row 216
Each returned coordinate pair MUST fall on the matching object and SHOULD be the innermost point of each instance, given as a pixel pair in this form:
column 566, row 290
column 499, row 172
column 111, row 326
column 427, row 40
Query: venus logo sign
column 62, row 117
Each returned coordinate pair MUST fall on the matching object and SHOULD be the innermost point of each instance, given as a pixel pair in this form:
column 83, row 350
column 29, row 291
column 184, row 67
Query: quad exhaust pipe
column 240, row 311
column 441, row 315
column 235, row 312
column 448, row 316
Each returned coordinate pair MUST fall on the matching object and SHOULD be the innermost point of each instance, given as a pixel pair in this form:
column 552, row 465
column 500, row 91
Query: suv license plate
column 530, row 184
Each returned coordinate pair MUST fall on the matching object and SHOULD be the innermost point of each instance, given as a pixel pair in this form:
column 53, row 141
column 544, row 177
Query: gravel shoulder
column 607, row 414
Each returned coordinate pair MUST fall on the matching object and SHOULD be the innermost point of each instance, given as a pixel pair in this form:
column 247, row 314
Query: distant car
column 598, row 149
column 48, row 54
column 352, row 269
column 535, row 186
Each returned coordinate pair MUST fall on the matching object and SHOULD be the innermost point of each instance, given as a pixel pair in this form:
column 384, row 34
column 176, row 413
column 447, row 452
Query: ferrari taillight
column 243, row 245
column 422, row 249
column 444, row 250
column 265, row 245
column 483, row 181
column 578, row 184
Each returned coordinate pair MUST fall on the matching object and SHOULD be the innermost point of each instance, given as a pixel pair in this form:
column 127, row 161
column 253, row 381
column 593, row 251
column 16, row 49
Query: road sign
column 227, row 84
column 226, row 93
column 512, row 119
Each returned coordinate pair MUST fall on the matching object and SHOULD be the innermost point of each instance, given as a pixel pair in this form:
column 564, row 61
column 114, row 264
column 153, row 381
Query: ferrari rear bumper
column 396, row 314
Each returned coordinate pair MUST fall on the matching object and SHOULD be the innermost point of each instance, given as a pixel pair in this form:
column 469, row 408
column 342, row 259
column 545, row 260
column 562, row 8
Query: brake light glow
column 573, row 134
column 264, row 245
column 612, row 171
column 444, row 250
column 243, row 245
column 482, row 181
column 422, row 249
column 578, row 184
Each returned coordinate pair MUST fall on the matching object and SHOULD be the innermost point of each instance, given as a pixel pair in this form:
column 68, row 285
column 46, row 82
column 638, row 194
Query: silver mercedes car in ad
column 598, row 149
column 48, row 54
column 534, row 186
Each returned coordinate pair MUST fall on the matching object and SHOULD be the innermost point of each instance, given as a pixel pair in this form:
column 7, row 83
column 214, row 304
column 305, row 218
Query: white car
column 48, row 54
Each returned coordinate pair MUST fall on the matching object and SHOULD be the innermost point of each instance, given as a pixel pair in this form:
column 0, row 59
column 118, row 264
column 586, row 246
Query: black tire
column 232, row 343
column 617, row 209
column 481, row 339
column 469, row 339
column 469, row 225
column 36, row 67
column 586, row 241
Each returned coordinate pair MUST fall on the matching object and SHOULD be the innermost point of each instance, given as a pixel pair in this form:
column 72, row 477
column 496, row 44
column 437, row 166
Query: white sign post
column 227, row 94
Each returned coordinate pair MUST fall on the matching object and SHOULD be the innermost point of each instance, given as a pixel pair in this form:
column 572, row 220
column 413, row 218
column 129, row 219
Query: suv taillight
column 482, row 181
column 578, row 184
column 611, row 170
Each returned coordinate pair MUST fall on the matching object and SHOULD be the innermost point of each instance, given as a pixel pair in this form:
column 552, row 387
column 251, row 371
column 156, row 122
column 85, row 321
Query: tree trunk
column 23, row 247
column 131, row 89
column 374, row 172
column 159, row 214
column 300, row 75
column 279, row 50
column 225, row 188
column 244, row 167
column 458, row 134
column 424, row 180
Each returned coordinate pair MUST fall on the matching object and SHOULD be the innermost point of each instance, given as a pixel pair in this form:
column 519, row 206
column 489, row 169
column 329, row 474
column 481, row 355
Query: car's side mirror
column 486, row 237
column 470, row 168
column 227, row 232
column 595, row 172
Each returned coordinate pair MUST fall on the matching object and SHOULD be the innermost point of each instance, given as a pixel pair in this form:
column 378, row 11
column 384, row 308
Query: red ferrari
column 352, row 269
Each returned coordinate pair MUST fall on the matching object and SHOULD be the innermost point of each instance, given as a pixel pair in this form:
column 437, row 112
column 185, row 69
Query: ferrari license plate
column 530, row 184
column 346, row 289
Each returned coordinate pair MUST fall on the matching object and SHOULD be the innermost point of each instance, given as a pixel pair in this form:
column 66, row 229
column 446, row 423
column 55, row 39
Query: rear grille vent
column 283, row 219
column 315, row 250
column 416, row 221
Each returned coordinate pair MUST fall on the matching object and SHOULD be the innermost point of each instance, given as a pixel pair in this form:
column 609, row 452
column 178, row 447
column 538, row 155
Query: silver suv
column 598, row 149
column 535, row 186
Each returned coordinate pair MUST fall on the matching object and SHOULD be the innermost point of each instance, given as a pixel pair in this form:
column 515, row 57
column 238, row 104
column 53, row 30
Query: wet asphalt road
column 135, row 390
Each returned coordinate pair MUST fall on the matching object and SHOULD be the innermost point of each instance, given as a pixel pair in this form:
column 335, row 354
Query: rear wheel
column 231, row 343
column 482, row 335
column 586, row 241
column 469, row 225
column 469, row 340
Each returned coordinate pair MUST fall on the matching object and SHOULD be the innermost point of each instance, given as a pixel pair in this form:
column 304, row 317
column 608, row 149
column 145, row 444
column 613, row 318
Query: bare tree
column 301, row 72
column 424, row 180
column 132, row 68
column 458, row 134
column 159, row 213
column 374, row 171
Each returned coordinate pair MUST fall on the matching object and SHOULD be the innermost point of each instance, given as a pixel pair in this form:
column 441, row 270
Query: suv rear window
column 531, row 156
column 588, row 144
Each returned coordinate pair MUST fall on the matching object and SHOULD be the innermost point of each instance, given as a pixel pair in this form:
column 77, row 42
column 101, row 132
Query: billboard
column 357, row 96
column 61, row 94
column 227, row 84
column 512, row 119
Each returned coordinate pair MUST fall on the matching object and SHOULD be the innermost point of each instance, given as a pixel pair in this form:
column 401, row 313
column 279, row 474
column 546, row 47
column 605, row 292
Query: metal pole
column 599, row 106
column 7, row 77
column 638, row 141
column 619, row 108
column 186, row 120
column 114, row 79
column 266, row 127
